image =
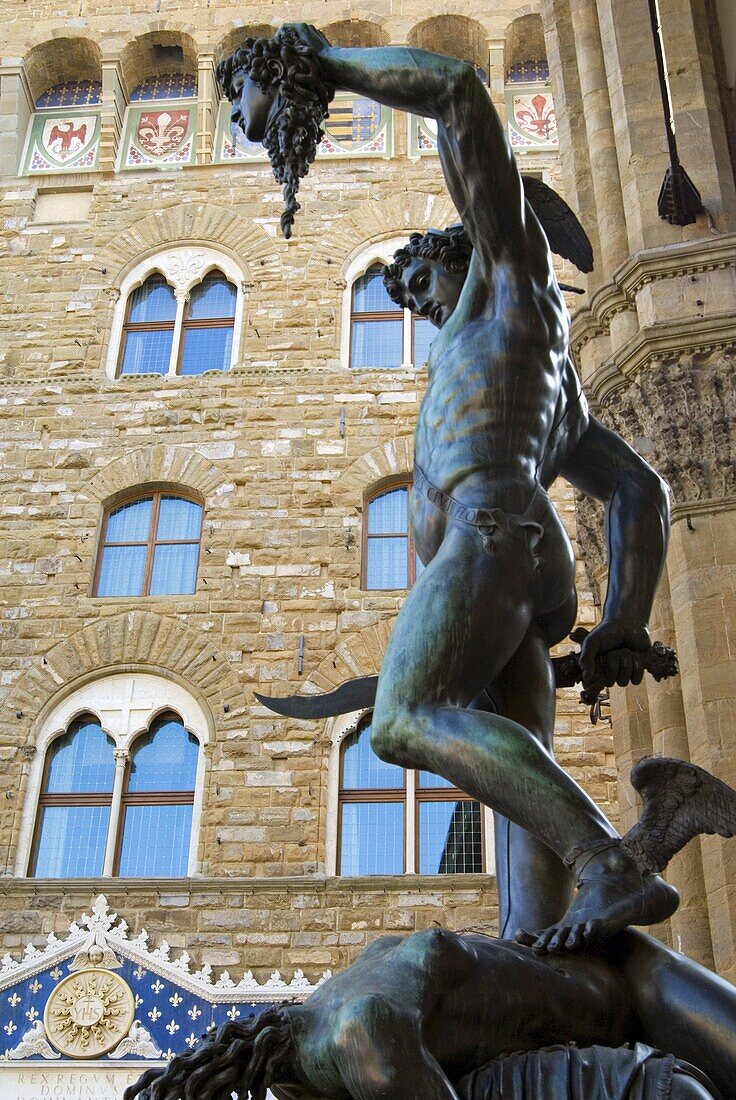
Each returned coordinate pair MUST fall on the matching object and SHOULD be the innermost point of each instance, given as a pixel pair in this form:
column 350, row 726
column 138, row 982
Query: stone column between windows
column 407, row 335
column 208, row 104
column 121, row 757
column 16, row 108
column 410, row 840
column 113, row 112
column 497, row 76
column 182, row 297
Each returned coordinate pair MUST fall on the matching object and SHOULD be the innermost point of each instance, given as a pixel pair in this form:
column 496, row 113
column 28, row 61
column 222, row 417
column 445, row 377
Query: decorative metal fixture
column 679, row 200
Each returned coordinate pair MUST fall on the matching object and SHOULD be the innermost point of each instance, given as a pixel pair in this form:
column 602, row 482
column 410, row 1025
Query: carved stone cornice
column 713, row 253
column 645, row 267
column 667, row 341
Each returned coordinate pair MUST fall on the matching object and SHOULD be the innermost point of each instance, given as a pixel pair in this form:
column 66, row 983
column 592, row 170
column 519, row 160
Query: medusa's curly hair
column 287, row 65
column 237, row 1057
column 451, row 247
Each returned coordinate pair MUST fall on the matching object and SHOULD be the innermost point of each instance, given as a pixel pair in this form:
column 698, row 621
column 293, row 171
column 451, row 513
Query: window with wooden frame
column 382, row 334
column 207, row 326
column 157, row 802
column 150, row 547
column 105, row 812
column 163, row 334
column 74, row 804
column 148, row 332
column 389, row 558
column 392, row 820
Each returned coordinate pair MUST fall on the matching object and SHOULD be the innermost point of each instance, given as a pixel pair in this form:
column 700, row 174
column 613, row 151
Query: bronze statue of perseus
column 466, row 688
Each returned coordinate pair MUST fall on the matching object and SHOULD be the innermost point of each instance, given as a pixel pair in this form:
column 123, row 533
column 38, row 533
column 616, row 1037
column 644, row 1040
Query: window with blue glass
column 391, row 820
column 389, row 558
column 75, row 802
column 158, row 339
column 88, row 825
column 148, row 332
column 207, row 329
column 382, row 334
column 158, row 801
column 150, row 547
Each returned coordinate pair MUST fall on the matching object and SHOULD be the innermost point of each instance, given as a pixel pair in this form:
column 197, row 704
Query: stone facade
column 284, row 448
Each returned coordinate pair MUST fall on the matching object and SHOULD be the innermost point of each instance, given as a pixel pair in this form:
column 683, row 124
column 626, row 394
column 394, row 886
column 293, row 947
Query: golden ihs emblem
column 89, row 1013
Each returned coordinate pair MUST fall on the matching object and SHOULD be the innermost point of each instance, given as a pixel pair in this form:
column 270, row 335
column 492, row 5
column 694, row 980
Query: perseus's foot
column 612, row 893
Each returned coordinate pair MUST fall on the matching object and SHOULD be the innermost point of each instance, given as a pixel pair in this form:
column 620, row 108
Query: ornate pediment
column 54, row 1000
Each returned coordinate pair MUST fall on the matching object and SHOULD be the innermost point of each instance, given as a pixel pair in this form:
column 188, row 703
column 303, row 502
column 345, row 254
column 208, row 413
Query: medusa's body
column 413, row 1015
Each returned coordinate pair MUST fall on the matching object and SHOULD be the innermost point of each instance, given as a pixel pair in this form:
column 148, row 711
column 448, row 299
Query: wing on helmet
column 565, row 234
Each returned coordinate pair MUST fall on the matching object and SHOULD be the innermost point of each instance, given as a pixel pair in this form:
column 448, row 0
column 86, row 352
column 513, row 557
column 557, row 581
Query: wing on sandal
column 681, row 801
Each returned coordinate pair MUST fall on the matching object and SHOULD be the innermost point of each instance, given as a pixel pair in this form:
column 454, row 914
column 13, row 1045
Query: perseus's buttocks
column 489, row 404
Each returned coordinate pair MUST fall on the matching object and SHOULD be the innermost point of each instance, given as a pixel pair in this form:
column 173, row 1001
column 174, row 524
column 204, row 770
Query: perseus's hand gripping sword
column 360, row 694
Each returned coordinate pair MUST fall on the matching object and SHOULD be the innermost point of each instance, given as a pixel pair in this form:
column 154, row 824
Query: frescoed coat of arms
column 162, row 136
column 63, row 141
column 532, row 119
column 161, row 132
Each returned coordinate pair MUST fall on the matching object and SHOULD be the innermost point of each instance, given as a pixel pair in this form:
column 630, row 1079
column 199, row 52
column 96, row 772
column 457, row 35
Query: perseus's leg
column 459, row 627
column 461, row 624
column 534, row 886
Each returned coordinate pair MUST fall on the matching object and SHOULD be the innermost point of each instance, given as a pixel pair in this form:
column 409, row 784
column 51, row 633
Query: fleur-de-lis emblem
column 14, row 1000
column 35, row 986
column 31, row 1014
column 176, row 1000
column 154, row 1014
column 172, row 1027
column 194, row 1012
column 540, row 120
column 138, row 1000
column 168, row 1054
column 139, row 972
column 191, row 1040
column 10, row 1027
column 157, row 987
column 56, row 973
column 159, row 132
column 232, row 1013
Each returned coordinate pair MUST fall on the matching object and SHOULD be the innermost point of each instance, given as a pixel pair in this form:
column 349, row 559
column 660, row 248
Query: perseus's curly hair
column 286, row 64
column 451, row 247
column 237, row 1057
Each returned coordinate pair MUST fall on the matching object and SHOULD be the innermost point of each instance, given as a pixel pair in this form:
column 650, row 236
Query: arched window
column 382, row 334
column 74, row 804
column 150, row 547
column 391, row 820
column 157, row 802
column 120, row 794
column 148, row 333
column 207, row 328
column 179, row 312
column 104, row 812
column 154, row 338
column 389, row 558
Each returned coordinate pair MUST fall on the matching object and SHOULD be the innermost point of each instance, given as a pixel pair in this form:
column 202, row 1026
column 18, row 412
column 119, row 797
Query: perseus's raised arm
column 476, row 157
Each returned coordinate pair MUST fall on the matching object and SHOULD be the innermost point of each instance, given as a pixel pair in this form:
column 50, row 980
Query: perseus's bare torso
column 503, row 404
